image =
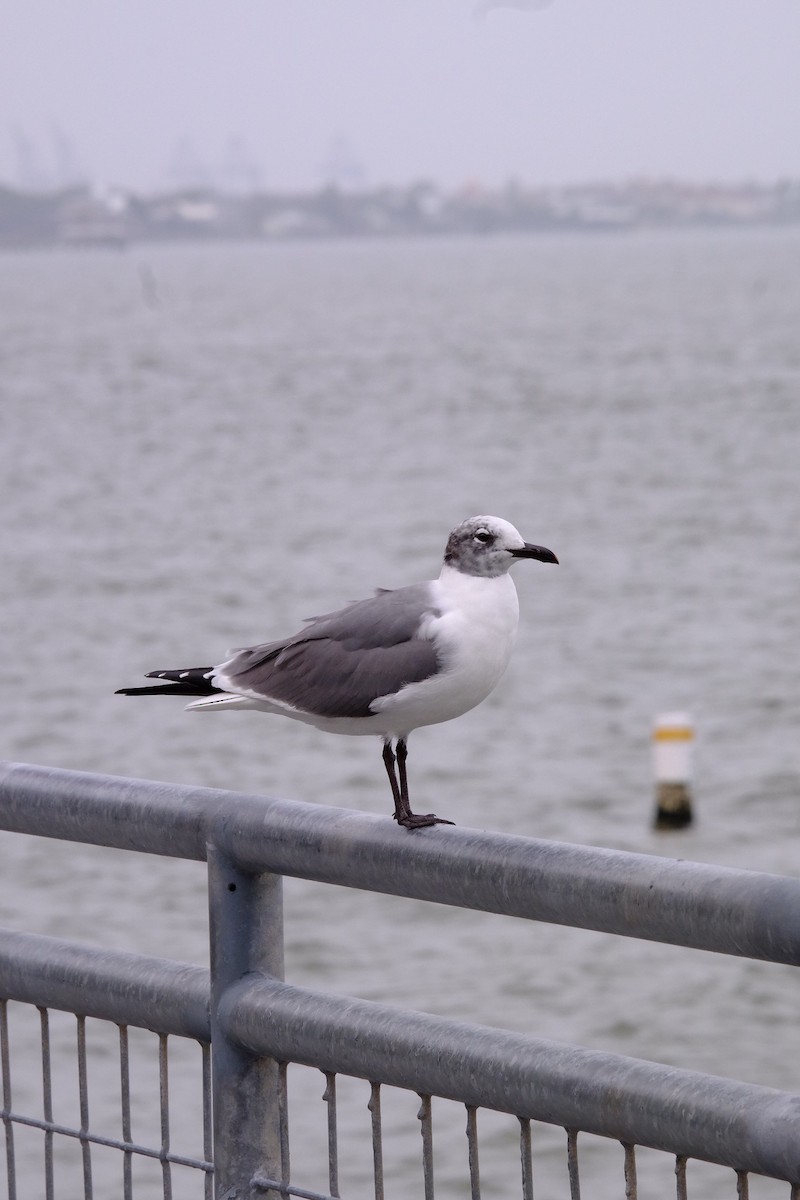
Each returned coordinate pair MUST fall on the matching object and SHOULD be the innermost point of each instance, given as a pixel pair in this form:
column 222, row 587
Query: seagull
column 403, row 658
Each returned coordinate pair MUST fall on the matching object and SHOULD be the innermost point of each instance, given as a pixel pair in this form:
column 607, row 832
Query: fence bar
column 5, row 1056
column 631, row 1185
column 125, row 1105
column 680, row 1177
column 425, row 1117
column 163, row 1079
column 730, row 911
column 374, row 1107
column 741, row 1125
column 47, row 1102
column 246, row 926
column 573, row 1169
column 329, row 1096
column 526, row 1158
column 83, row 1093
column 111, row 1143
column 283, row 1121
column 472, row 1153
column 208, row 1120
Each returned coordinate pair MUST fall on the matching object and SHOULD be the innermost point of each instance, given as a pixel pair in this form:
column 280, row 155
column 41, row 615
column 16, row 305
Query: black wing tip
column 166, row 689
column 191, row 681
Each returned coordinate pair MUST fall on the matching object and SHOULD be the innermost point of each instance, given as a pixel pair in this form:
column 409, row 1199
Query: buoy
column 673, row 735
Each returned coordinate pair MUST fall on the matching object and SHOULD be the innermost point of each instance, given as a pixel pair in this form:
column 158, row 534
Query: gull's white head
column 488, row 546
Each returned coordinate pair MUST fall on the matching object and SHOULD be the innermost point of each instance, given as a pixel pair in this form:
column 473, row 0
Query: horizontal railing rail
column 113, row 985
column 722, row 909
column 743, row 1126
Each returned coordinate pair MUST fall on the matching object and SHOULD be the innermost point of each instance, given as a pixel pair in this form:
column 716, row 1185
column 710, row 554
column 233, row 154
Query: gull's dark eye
column 484, row 537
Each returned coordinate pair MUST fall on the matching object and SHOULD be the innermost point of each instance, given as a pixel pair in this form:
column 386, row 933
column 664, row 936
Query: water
column 203, row 445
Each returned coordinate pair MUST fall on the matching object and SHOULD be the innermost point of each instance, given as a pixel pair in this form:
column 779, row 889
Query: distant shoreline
column 89, row 216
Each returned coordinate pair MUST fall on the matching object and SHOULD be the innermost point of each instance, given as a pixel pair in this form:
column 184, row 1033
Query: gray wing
column 344, row 660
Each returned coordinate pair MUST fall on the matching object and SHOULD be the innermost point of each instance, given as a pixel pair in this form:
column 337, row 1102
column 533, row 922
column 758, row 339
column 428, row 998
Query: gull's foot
column 420, row 820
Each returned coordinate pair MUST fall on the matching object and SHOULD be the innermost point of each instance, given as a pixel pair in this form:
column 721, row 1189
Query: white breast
column 474, row 636
column 477, row 627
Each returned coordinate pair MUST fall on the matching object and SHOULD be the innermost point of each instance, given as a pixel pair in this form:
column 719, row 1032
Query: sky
column 295, row 93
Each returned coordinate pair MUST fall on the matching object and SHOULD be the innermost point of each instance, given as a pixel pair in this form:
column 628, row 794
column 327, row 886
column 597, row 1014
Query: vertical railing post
column 246, row 930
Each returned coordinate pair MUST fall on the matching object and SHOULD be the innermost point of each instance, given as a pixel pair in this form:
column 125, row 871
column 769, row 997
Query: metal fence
column 261, row 1029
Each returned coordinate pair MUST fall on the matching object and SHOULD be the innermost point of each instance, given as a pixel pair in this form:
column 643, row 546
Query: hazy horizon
column 290, row 96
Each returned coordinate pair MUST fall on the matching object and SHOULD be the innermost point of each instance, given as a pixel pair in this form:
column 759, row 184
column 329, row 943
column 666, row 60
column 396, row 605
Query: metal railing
column 256, row 1023
column 15, row 951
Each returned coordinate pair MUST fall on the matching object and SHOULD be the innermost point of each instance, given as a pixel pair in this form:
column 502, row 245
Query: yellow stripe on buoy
column 674, row 733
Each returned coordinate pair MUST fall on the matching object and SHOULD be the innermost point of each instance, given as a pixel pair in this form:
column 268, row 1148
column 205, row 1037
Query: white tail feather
column 225, row 700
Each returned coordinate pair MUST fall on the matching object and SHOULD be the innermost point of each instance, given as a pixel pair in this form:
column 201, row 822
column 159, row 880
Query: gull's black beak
column 540, row 552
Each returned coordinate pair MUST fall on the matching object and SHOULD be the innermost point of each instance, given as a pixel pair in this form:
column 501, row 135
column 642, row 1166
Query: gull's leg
column 409, row 819
column 400, row 812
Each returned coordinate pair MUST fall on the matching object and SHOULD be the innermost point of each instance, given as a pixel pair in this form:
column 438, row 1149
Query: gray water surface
column 203, row 445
